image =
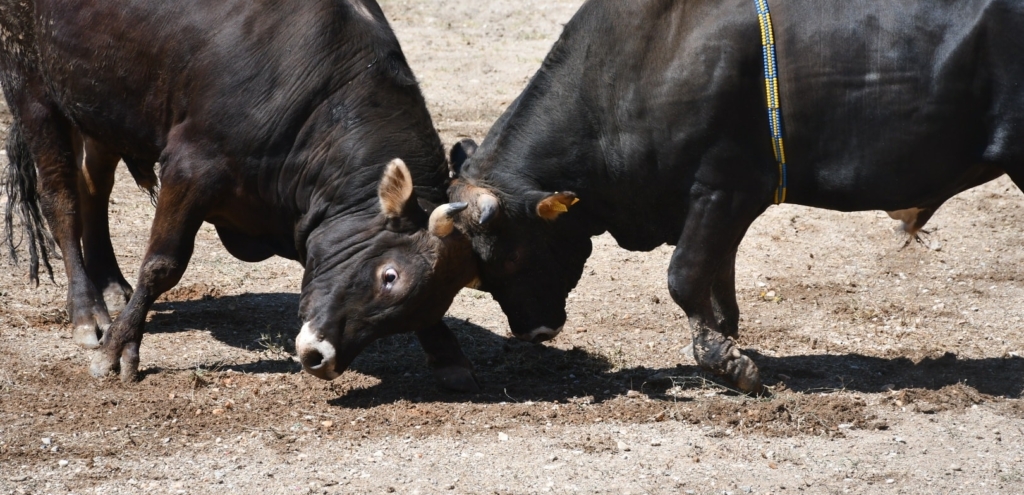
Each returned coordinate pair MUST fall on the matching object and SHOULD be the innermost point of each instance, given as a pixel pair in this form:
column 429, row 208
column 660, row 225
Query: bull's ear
column 553, row 205
column 461, row 152
column 395, row 190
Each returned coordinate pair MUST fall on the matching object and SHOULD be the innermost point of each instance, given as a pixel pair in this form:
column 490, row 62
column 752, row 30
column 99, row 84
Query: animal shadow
column 510, row 370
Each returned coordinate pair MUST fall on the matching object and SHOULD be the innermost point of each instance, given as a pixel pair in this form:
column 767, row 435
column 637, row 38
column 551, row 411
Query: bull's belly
column 897, row 188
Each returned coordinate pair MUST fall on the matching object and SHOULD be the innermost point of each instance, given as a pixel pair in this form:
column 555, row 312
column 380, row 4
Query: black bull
column 284, row 124
column 651, row 114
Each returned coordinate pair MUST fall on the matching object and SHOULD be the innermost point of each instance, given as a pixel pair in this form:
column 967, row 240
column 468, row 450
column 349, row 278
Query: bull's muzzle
column 317, row 355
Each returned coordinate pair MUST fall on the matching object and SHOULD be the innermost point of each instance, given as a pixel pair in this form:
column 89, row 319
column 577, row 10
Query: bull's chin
column 539, row 334
column 322, row 372
column 329, row 371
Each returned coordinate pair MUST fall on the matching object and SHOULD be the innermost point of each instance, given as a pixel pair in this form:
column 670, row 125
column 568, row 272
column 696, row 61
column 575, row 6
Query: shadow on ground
column 514, row 371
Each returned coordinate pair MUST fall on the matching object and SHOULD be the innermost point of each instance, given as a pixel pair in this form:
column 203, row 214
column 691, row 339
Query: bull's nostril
column 312, row 359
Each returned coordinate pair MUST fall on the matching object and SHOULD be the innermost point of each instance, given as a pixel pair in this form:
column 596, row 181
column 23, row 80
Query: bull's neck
column 335, row 172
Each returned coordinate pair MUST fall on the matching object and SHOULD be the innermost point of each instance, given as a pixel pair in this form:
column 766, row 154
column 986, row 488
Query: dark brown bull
column 295, row 127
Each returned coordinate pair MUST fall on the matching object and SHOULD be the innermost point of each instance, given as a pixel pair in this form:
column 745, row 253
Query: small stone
column 47, row 441
column 199, row 411
column 773, row 465
column 655, row 443
column 218, row 412
column 890, row 481
column 633, row 393
column 166, row 440
column 502, row 436
column 327, row 424
column 955, row 467
column 622, row 446
column 63, row 463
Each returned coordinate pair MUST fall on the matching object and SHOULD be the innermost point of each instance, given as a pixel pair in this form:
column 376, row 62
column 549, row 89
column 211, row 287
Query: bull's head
column 394, row 269
column 530, row 256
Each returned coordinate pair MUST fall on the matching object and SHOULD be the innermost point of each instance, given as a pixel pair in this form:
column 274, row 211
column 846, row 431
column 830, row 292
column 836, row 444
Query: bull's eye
column 512, row 261
column 390, row 276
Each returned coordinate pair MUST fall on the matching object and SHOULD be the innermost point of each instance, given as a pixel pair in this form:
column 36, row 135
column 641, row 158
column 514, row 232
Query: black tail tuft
column 23, row 197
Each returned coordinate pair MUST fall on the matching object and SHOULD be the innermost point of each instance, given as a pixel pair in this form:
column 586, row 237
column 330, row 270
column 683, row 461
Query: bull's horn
column 488, row 205
column 442, row 219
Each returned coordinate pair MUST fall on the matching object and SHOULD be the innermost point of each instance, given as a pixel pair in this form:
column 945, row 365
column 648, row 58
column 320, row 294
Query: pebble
column 655, row 443
column 47, row 441
column 502, row 437
column 623, row 447
column 63, row 463
column 633, row 393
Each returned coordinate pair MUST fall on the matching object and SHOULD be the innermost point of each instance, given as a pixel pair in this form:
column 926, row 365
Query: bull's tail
column 23, row 197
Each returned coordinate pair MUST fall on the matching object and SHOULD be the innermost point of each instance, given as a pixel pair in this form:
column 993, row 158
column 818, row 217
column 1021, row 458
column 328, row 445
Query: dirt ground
column 895, row 369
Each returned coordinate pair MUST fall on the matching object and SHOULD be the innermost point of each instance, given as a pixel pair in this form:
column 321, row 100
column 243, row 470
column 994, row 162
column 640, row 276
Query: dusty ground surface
column 894, row 370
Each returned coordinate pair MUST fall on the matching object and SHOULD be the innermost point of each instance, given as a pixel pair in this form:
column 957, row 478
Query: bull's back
column 131, row 70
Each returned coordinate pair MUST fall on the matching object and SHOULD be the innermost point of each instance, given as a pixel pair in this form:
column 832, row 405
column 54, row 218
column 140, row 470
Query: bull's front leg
column 723, row 296
column 181, row 207
column 715, row 225
column 451, row 368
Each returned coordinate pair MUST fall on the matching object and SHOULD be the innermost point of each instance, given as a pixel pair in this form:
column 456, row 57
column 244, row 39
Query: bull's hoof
column 130, row 362
column 116, row 297
column 103, row 364
column 88, row 336
column 106, row 362
column 745, row 375
column 457, row 379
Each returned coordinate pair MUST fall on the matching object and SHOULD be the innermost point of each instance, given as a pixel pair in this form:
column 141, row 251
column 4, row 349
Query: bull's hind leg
column 95, row 181
column 53, row 145
column 181, row 206
column 715, row 224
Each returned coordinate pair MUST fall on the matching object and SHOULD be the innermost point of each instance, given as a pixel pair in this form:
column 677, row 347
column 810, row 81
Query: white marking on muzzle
column 545, row 331
column 310, row 340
